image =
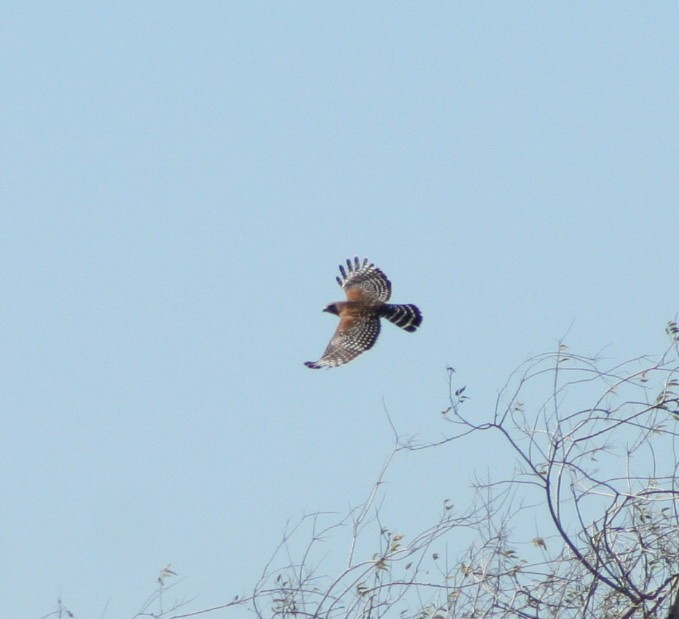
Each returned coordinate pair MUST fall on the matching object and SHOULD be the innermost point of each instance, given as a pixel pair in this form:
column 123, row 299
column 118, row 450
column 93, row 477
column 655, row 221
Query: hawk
column 368, row 289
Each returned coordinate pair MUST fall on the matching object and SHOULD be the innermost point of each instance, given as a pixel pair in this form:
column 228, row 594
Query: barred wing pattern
column 347, row 344
column 364, row 282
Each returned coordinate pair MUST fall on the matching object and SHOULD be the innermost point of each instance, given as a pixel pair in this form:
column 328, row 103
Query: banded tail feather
column 408, row 316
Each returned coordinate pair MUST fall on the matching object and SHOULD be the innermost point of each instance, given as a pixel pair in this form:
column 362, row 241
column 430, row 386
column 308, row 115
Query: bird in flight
column 368, row 289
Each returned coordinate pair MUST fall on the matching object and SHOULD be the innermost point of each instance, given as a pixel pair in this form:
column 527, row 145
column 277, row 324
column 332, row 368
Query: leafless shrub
column 594, row 464
column 593, row 468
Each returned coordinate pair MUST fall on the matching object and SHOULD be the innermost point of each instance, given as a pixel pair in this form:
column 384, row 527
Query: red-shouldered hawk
column 368, row 291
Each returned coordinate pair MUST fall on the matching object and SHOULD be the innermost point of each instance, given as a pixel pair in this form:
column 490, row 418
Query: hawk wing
column 354, row 335
column 364, row 282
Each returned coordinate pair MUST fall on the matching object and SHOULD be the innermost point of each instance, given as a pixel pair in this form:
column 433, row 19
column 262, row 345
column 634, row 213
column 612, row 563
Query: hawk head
column 332, row 309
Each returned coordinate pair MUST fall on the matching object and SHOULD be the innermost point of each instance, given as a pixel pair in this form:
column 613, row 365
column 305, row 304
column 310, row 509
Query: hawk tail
column 408, row 317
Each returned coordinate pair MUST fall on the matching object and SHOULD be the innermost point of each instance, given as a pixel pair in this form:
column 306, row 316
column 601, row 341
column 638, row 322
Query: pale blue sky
column 180, row 182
